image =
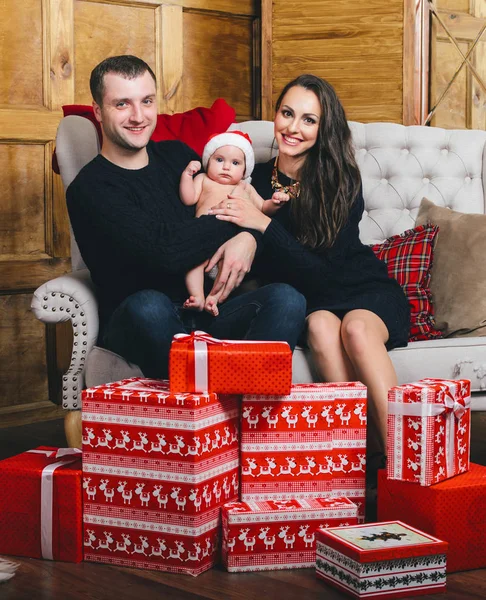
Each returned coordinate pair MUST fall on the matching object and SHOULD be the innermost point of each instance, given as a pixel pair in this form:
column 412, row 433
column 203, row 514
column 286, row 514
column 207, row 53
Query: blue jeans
column 142, row 327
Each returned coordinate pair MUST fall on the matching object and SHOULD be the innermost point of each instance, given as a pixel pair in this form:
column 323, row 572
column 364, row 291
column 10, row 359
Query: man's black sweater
column 132, row 229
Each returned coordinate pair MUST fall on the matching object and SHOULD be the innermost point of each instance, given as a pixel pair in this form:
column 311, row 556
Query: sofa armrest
column 71, row 297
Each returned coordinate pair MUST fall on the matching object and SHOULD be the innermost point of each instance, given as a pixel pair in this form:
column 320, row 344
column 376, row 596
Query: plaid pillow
column 408, row 257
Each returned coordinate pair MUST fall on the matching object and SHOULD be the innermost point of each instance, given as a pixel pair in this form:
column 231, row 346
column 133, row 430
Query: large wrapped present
column 156, row 469
column 309, row 444
column 454, row 510
column 428, row 430
column 279, row 534
column 199, row 363
column 41, row 504
column 381, row 560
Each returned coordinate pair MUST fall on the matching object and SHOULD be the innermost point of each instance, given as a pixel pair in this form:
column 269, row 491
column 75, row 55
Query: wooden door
column 199, row 49
column 445, row 63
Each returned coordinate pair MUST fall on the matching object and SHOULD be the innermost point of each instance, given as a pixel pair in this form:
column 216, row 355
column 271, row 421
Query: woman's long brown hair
column 329, row 178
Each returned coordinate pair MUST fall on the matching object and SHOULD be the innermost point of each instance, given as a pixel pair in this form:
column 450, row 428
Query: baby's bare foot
column 194, row 303
column 211, row 306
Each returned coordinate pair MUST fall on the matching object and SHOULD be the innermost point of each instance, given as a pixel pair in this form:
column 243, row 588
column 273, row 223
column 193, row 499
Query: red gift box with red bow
column 41, row 504
column 428, row 430
column 200, row 363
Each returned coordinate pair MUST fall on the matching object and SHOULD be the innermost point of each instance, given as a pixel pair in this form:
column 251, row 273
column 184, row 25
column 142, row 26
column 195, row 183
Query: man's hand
column 235, row 258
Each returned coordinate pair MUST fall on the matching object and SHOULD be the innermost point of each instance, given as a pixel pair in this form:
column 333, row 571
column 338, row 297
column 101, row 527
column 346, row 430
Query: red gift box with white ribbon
column 279, row 534
column 41, row 504
column 200, row 363
column 428, row 430
column 311, row 443
column 157, row 467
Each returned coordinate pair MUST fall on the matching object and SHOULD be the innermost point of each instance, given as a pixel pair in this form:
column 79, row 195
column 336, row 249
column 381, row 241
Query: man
column 138, row 239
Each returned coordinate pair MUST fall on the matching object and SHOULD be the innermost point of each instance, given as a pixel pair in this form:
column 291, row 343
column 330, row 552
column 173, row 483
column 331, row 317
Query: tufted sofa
column 399, row 166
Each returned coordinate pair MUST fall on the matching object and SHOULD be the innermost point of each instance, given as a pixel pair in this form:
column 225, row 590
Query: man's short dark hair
column 126, row 65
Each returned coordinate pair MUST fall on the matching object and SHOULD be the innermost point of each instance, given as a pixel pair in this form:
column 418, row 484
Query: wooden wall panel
column 358, row 48
column 22, row 199
column 119, row 30
column 22, row 377
column 199, row 50
column 21, row 52
column 218, row 61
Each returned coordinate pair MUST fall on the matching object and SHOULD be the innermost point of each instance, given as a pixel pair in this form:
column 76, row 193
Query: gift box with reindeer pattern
column 279, row 534
column 157, row 467
column 309, row 444
column 428, row 430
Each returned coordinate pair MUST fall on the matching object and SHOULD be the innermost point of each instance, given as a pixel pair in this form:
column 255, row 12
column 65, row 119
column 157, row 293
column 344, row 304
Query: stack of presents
column 229, row 461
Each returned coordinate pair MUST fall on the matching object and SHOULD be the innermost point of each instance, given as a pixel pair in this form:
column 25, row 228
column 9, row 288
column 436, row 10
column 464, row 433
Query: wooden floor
column 46, row 580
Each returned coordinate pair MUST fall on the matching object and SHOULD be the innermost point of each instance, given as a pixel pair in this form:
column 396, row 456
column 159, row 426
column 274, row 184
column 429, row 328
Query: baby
column 228, row 159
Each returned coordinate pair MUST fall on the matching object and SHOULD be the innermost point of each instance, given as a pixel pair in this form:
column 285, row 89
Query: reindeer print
column 252, row 420
column 308, row 539
column 89, row 538
column 289, row 541
column 358, row 410
column 177, row 447
column 126, row 494
column 344, row 417
column 158, row 550
column 309, row 417
column 307, row 469
column 268, row 541
column 140, row 443
column 123, row 546
column 326, row 414
column 271, row 464
column 178, row 551
column 181, row 502
column 272, row 420
column 105, row 544
column 248, row 470
column 249, row 542
column 287, row 470
column 159, row 445
column 88, row 437
column 291, row 419
column 90, row 489
column 109, row 492
column 161, row 499
column 144, row 496
column 140, row 548
column 104, row 442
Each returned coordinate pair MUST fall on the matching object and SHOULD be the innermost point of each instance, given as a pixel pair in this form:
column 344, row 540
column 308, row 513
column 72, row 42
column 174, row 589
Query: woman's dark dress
column 345, row 277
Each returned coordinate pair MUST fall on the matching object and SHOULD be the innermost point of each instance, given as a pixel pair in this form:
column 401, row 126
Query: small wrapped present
column 279, row 534
column 41, row 504
column 311, row 443
column 428, row 430
column 381, row 560
column 157, row 467
column 200, row 363
column 453, row 510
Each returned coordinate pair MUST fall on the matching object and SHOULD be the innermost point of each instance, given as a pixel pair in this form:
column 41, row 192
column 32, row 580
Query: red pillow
column 408, row 257
column 194, row 127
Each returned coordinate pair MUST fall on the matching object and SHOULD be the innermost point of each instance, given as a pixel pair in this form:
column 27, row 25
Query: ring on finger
column 228, row 205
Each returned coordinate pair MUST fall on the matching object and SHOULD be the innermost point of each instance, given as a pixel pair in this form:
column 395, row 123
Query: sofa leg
column 73, row 429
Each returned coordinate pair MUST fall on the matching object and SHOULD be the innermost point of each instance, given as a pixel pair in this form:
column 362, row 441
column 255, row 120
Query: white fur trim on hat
column 231, row 138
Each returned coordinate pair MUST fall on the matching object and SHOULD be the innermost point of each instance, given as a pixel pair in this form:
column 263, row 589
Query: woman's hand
column 241, row 212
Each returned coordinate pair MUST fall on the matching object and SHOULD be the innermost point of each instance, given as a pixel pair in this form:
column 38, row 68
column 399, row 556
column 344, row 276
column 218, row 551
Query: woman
column 355, row 311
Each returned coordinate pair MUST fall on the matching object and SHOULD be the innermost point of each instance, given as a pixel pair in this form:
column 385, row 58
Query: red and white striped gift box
column 156, row 468
column 279, row 534
column 309, row 444
column 428, row 430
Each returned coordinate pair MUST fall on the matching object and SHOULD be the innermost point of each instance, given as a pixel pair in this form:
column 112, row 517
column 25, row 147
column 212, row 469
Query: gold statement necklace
column 293, row 190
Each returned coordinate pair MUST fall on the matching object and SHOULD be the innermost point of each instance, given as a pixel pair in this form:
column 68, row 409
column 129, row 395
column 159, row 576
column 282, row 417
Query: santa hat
column 230, row 138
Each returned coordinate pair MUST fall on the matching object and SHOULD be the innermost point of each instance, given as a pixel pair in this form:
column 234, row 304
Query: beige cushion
column 458, row 281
